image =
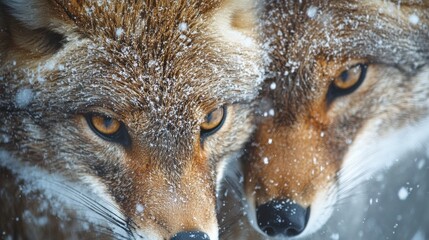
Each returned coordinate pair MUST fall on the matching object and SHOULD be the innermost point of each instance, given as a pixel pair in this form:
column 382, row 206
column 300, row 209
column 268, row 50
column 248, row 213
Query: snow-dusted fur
column 314, row 143
column 159, row 68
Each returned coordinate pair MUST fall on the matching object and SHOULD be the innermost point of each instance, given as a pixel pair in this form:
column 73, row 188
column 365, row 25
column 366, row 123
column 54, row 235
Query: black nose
column 282, row 217
column 191, row 235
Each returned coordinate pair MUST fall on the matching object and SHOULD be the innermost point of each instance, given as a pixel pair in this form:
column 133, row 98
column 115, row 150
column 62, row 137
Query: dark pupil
column 108, row 122
column 344, row 76
column 209, row 117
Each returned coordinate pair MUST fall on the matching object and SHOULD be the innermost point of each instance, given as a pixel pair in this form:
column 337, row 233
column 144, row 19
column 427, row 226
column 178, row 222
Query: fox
column 117, row 118
column 345, row 96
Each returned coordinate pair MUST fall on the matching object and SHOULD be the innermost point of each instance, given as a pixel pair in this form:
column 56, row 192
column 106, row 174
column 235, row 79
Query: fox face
column 118, row 117
column 346, row 95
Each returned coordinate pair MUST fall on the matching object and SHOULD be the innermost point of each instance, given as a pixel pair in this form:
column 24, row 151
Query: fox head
column 346, row 94
column 139, row 102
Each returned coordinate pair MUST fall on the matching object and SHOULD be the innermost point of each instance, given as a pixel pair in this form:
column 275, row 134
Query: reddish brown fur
column 311, row 135
column 296, row 176
column 131, row 61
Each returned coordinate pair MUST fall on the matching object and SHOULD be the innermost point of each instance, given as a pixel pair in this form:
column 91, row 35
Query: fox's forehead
column 106, row 12
column 147, row 26
column 155, row 55
column 196, row 79
column 305, row 37
column 346, row 29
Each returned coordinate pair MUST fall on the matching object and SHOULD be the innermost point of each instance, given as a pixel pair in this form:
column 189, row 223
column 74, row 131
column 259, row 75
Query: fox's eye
column 105, row 125
column 347, row 82
column 349, row 78
column 213, row 121
column 108, row 128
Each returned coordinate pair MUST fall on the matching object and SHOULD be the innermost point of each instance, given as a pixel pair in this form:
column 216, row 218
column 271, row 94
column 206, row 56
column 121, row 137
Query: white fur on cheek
column 223, row 168
column 220, row 172
column 377, row 147
column 371, row 153
column 63, row 195
column 213, row 231
column 321, row 210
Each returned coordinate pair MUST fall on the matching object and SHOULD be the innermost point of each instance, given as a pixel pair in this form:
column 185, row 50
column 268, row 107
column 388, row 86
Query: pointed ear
column 236, row 20
column 36, row 26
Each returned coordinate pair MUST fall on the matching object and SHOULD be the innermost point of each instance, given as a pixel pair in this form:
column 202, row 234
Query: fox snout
column 282, row 217
column 175, row 211
column 286, row 173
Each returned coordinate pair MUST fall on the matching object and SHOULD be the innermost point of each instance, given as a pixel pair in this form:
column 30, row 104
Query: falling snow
column 335, row 38
column 23, row 97
column 183, row 26
column 139, row 208
column 312, row 11
column 403, row 193
column 265, row 160
column 414, row 19
column 335, row 236
column 119, row 32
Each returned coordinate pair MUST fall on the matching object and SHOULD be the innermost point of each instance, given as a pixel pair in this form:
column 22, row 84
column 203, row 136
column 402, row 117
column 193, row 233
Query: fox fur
column 159, row 67
column 314, row 149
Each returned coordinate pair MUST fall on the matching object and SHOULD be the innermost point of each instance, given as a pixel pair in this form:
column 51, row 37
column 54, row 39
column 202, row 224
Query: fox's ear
column 236, row 20
column 36, row 26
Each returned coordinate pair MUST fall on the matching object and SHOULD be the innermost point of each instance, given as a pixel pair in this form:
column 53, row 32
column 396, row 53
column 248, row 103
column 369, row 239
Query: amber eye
column 105, row 125
column 213, row 121
column 347, row 82
column 108, row 128
column 349, row 78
